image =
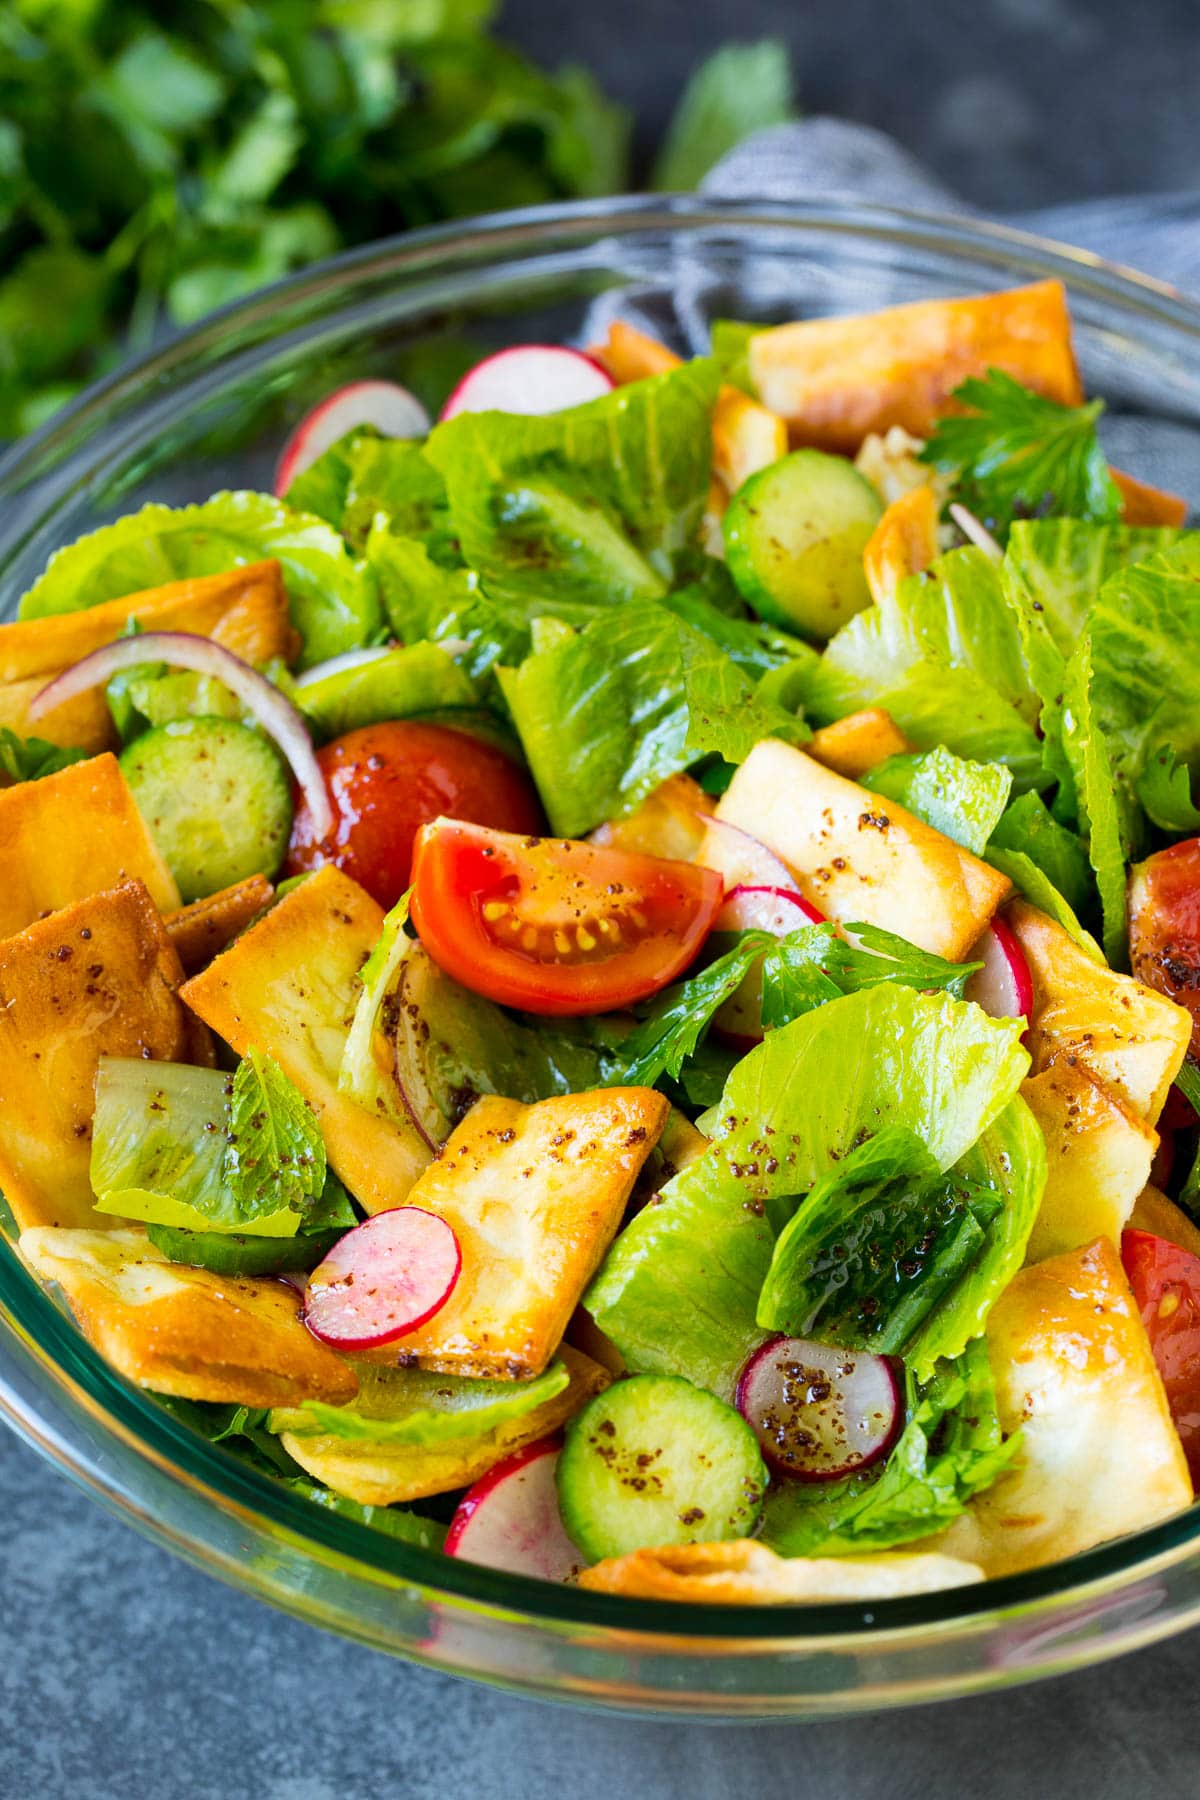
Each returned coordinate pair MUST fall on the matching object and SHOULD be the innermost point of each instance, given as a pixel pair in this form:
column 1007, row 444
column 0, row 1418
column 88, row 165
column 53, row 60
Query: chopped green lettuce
column 1103, row 810
column 158, row 1150
column 274, row 1150
column 1164, row 788
column 425, row 601
column 1041, row 892
column 879, row 1241
column 364, row 475
column 397, row 684
column 416, row 1406
column 899, row 654
column 1028, row 827
column 678, row 1291
column 951, row 1449
column 1060, row 565
column 965, row 800
column 333, row 598
column 739, row 89
column 30, row 758
column 394, row 1521
column 599, row 503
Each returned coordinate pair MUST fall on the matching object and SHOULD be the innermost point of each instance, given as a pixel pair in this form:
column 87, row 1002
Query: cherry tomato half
column 1164, row 926
column 386, row 780
column 553, row 925
column 1166, row 1286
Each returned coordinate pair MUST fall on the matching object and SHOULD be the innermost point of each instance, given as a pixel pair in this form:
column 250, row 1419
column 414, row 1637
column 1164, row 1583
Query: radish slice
column 390, row 408
column 383, row 1279
column 1004, row 986
column 185, row 650
column 531, row 378
column 778, row 910
column 742, row 860
column 510, row 1519
column 819, row 1412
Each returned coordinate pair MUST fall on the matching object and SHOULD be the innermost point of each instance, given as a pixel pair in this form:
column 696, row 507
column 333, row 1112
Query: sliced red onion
column 976, row 531
column 338, row 665
column 819, row 1412
column 186, row 650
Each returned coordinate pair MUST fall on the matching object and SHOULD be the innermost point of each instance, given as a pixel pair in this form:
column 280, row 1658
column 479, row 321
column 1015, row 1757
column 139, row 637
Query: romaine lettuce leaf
column 880, row 1240
column 944, row 657
column 679, row 1288
column 1104, row 809
column 1060, row 566
column 1164, row 788
column 415, row 1406
column 394, row 1521
column 398, row 684
column 727, row 713
column 1028, row 826
column 427, row 602
column 1145, row 653
column 333, row 598
column 951, row 1448
column 159, row 1140
column 599, row 503
column 364, row 475
column 1037, row 888
column 965, row 800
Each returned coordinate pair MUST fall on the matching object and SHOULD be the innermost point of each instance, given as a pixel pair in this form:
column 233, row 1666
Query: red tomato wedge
column 553, row 925
column 1166, row 1285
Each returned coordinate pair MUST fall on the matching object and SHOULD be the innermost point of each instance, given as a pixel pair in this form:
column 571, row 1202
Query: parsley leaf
column 1016, row 455
column 28, row 759
column 275, row 1154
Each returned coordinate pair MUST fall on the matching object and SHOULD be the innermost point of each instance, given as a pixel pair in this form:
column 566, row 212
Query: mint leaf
column 1015, row 454
column 275, row 1154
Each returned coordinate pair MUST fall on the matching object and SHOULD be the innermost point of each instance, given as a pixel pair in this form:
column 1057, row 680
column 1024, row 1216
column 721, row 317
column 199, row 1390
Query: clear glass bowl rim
column 39, row 1332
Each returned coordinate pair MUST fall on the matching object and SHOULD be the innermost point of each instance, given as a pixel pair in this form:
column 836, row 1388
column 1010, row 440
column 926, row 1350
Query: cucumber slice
column 230, row 1253
column 794, row 537
column 655, row 1460
column 215, row 798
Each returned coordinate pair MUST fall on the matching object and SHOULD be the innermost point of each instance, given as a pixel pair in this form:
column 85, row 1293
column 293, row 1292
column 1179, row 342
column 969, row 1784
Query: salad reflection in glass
column 565, row 976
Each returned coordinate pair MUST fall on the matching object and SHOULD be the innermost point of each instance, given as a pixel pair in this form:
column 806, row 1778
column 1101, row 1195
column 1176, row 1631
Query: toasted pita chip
column 1142, row 504
column 1100, row 1457
column 904, row 542
column 1131, row 1038
column 748, row 1574
column 289, row 986
column 859, row 857
column 245, row 609
column 858, row 743
column 382, row 1473
column 1098, row 1156
column 203, row 929
column 185, row 1331
column 535, row 1195
column 835, row 381
column 669, row 822
column 1155, row 1213
column 70, row 835
column 97, row 979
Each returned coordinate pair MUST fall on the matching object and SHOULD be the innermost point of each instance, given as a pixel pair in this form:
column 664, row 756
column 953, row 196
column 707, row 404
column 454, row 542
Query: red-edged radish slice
column 530, row 378
column 510, row 1519
column 741, row 859
column 390, row 408
column 738, row 1023
column 383, row 1279
column 1004, row 986
column 819, row 1412
column 778, row 910
column 185, row 650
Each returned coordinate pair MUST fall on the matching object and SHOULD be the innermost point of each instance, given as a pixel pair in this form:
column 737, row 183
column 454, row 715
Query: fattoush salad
column 611, row 984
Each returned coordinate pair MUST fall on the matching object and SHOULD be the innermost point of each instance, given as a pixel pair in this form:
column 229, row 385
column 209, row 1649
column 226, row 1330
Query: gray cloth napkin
column 1158, row 234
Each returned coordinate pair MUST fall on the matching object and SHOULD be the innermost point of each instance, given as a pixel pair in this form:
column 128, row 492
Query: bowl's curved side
column 208, row 411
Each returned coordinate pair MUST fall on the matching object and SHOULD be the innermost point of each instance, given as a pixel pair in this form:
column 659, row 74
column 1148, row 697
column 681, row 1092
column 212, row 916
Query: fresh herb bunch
column 1016, row 455
column 157, row 161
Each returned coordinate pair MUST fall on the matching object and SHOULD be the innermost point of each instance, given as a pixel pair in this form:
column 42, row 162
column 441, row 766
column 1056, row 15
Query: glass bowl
column 209, row 411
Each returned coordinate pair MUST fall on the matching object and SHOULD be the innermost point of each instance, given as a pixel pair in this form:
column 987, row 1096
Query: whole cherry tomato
column 385, row 781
